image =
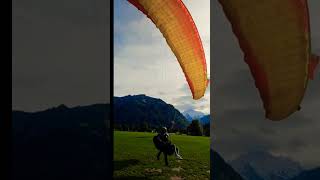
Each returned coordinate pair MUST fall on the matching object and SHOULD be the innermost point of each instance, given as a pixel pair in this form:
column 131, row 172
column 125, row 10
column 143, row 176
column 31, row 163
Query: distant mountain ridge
column 205, row 119
column 262, row 165
column 192, row 114
column 221, row 170
column 142, row 110
column 62, row 143
column 313, row 174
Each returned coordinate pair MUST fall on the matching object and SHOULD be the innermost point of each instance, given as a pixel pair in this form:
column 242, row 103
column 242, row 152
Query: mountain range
column 62, row 143
column 313, row 174
column 220, row 169
column 55, row 143
column 261, row 165
column 192, row 114
column 205, row 119
column 142, row 110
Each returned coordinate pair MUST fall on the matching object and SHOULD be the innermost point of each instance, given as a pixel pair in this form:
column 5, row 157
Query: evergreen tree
column 206, row 129
column 194, row 129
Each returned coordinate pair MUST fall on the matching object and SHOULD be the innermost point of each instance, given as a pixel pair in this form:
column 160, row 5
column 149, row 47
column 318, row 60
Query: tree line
column 195, row 128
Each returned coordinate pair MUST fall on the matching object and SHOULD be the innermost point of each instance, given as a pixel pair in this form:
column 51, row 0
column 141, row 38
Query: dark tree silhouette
column 206, row 129
column 194, row 129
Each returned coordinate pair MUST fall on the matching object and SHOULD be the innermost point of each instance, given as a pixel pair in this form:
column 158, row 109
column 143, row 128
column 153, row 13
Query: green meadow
column 135, row 157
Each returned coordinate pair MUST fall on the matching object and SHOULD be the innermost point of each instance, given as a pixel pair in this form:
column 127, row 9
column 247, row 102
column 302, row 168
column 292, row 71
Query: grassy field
column 135, row 157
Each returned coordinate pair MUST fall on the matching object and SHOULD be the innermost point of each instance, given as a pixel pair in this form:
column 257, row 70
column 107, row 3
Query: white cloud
column 144, row 63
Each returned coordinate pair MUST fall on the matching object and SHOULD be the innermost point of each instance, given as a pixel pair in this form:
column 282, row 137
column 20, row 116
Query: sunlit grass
column 135, row 157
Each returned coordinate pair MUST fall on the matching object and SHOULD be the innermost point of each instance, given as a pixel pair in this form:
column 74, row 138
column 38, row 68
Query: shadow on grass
column 118, row 165
column 143, row 137
column 131, row 178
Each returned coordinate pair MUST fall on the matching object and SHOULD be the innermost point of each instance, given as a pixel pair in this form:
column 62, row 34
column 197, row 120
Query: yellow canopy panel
column 178, row 28
column 275, row 38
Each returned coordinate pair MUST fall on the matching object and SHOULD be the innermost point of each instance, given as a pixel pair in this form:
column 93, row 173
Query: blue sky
column 144, row 63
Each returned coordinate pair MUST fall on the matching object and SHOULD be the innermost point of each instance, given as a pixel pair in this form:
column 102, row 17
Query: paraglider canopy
column 275, row 38
column 175, row 23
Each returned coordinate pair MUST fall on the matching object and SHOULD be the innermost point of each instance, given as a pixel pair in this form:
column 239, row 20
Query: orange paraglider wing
column 174, row 21
column 312, row 65
column 275, row 38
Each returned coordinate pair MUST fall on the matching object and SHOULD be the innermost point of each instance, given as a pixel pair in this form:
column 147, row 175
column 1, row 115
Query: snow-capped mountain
column 265, row 166
column 191, row 114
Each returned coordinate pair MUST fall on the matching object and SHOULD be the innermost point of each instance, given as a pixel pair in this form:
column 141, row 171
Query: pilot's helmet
column 163, row 130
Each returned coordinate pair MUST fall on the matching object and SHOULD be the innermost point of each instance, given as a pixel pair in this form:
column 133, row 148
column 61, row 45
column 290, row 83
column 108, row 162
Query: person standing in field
column 164, row 145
